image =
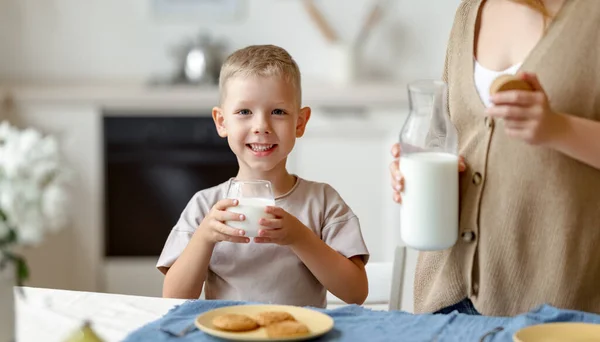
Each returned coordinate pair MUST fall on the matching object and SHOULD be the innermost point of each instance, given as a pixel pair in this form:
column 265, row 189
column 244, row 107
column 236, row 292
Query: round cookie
column 286, row 329
column 270, row 317
column 234, row 322
column 508, row 82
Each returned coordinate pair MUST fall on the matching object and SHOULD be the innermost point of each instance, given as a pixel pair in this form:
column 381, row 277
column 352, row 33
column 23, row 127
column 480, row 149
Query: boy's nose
column 261, row 126
column 262, row 130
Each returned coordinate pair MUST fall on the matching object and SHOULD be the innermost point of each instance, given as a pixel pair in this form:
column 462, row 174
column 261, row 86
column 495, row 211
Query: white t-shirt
column 484, row 78
column 270, row 273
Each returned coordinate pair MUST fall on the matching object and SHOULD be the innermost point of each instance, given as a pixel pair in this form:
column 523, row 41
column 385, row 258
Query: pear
column 84, row 334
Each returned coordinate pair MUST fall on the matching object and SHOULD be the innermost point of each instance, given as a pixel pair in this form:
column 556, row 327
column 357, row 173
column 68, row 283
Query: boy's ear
column 219, row 119
column 303, row 118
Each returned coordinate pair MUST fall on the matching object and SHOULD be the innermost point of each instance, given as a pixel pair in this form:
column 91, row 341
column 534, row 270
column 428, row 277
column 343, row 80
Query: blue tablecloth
column 355, row 323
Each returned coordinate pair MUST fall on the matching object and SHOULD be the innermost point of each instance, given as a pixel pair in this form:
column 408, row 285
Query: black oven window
column 153, row 167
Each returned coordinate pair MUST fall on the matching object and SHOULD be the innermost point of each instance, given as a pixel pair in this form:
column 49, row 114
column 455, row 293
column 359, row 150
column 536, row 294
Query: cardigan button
column 489, row 122
column 475, row 288
column 468, row 236
column 477, row 178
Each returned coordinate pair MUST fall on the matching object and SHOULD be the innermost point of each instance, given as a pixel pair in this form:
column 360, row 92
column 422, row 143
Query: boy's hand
column 283, row 229
column 213, row 229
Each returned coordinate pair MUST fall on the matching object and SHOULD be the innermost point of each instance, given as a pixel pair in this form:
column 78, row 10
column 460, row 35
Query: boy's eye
column 278, row 112
column 244, row 112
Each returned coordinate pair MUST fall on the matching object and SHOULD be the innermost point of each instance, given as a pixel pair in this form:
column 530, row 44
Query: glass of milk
column 429, row 165
column 253, row 197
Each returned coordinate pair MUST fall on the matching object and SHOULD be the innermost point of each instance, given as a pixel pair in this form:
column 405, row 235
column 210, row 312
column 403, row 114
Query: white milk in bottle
column 253, row 209
column 429, row 210
column 429, row 165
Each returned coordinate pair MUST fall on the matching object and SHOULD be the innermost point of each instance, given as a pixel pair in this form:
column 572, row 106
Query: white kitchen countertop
column 132, row 96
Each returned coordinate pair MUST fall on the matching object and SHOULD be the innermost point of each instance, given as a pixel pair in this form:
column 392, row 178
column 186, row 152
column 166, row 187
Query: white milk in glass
column 253, row 209
column 429, row 210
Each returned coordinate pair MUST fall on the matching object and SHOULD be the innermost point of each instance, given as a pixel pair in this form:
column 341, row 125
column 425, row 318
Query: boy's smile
column 261, row 150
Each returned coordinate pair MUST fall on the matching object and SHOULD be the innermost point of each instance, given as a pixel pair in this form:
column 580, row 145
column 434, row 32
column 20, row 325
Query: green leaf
column 12, row 234
column 21, row 268
column 10, row 239
column 22, row 271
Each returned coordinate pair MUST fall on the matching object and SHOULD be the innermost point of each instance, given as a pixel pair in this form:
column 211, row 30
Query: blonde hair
column 264, row 61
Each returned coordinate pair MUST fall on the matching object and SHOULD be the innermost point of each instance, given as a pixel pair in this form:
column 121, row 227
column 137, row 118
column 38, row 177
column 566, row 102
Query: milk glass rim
column 265, row 184
column 255, row 181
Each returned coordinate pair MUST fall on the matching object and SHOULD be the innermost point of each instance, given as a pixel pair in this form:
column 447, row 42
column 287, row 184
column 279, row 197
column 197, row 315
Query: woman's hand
column 398, row 180
column 527, row 114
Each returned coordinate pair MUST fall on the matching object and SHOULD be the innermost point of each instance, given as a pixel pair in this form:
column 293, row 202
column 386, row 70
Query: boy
column 313, row 243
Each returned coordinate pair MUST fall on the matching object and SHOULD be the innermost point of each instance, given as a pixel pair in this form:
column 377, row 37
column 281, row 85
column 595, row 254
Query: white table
column 52, row 315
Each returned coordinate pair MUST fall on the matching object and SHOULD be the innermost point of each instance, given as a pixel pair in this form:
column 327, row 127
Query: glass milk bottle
column 429, row 165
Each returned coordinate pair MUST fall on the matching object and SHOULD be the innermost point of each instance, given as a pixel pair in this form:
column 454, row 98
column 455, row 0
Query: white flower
column 30, row 230
column 55, row 202
column 19, row 201
column 5, row 131
column 32, row 193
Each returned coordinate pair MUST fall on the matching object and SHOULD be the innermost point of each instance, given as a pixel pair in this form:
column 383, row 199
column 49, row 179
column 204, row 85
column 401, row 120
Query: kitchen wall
column 91, row 41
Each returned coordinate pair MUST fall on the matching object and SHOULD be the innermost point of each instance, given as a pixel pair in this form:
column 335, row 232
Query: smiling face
column 261, row 118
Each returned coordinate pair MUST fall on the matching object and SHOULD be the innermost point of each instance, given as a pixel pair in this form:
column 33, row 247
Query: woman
column 530, row 194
